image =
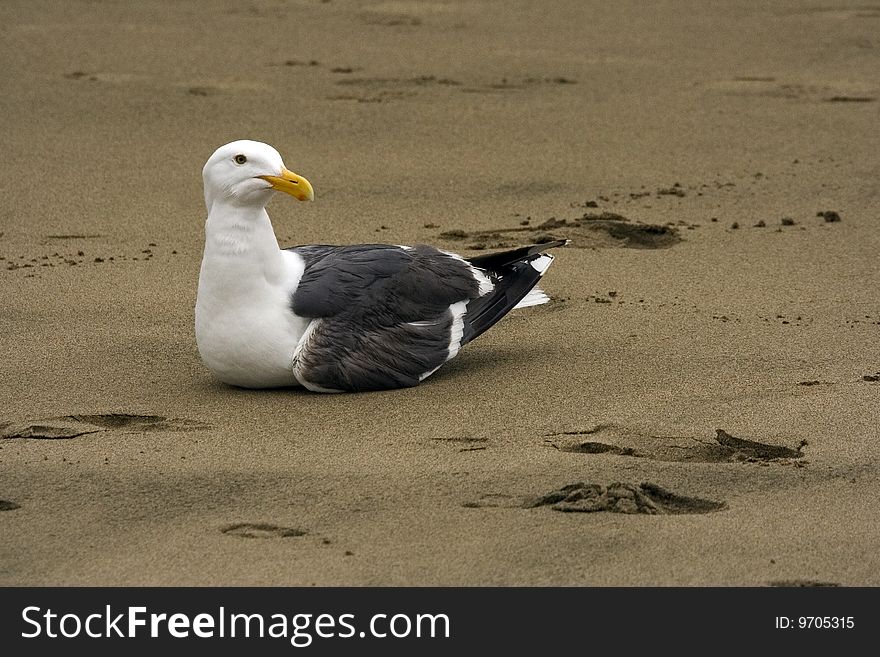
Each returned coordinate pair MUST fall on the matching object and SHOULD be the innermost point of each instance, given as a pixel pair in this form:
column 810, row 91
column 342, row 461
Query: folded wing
column 387, row 316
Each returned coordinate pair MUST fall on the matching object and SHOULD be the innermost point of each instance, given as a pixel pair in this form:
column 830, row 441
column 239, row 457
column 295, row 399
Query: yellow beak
column 290, row 183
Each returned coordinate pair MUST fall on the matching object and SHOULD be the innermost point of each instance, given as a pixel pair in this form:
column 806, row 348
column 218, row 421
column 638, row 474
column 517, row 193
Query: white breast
column 245, row 330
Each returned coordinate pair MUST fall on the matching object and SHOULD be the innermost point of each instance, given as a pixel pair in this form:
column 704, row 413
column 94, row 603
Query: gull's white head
column 246, row 172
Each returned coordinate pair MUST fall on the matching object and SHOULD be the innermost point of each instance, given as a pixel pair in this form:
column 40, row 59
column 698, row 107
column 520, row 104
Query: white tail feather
column 534, row 298
column 541, row 263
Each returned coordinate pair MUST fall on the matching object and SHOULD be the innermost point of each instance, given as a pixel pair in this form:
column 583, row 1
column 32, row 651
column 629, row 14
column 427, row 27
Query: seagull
column 335, row 318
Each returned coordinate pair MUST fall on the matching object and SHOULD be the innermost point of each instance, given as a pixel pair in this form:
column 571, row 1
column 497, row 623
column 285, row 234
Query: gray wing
column 383, row 314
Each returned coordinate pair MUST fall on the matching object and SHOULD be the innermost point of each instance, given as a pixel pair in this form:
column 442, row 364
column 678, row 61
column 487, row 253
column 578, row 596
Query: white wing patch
column 457, row 332
column 534, row 298
column 486, row 286
column 541, row 263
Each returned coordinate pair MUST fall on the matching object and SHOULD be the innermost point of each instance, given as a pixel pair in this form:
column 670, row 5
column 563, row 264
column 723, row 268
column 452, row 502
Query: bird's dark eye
column 239, row 159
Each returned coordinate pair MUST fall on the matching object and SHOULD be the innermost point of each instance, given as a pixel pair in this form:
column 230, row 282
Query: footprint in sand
column 591, row 447
column 606, row 439
column 6, row 505
column 619, row 497
column 591, row 230
column 261, row 530
column 72, row 426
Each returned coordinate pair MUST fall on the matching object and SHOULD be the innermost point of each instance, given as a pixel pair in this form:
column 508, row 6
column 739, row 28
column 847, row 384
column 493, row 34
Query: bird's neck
column 242, row 237
column 239, row 230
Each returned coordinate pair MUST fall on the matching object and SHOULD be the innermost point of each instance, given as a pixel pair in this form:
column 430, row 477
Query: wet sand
column 692, row 153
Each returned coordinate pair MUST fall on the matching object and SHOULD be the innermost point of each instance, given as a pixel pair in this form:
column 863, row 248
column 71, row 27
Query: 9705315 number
column 826, row 622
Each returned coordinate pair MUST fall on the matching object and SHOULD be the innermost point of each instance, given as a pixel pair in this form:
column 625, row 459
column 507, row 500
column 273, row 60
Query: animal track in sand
column 261, row 530
column 621, row 497
column 605, row 439
column 6, row 505
column 603, row 221
column 618, row 497
column 591, row 230
column 72, row 426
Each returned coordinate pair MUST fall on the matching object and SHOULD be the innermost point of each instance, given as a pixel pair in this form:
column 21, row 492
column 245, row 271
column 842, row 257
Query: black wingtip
column 514, row 276
column 497, row 260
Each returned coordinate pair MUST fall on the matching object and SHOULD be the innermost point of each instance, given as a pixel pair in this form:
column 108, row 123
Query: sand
column 686, row 148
